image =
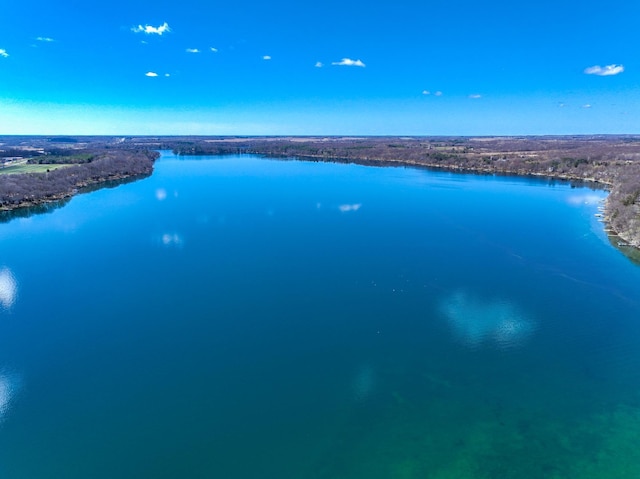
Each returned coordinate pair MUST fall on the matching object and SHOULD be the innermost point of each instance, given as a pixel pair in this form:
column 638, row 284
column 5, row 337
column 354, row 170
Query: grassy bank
column 27, row 168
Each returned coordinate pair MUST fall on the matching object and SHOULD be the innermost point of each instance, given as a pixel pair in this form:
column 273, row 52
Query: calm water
column 245, row 318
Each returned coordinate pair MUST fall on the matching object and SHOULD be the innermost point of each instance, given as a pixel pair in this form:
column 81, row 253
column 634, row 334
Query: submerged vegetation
column 610, row 161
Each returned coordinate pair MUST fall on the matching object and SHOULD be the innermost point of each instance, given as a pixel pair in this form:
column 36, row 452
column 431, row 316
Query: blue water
column 238, row 317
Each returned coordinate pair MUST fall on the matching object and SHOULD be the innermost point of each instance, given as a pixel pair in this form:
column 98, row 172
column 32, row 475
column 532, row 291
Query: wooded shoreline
column 100, row 167
column 609, row 161
column 612, row 162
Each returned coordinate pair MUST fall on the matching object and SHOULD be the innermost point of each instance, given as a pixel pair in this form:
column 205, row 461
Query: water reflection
column 7, row 389
column 171, row 239
column 585, row 199
column 161, row 194
column 349, row 207
column 28, row 211
column 477, row 321
column 8, row 288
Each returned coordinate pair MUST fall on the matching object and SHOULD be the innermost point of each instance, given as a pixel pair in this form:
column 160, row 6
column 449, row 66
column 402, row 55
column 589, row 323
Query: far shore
column 608, row 161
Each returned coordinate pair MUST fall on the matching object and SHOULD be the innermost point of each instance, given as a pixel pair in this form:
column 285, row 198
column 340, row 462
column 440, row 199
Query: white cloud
column 8, row 288
column 319, row 65
column 587, row 105
column 266, row 57
column 604, row 71
column 345, row 208
column 151, row 74
column 475, row 96
column 148, row 29
column 167, row 75
column 438, row 93
column 213, row 49
column 348, row 62
column 426, row 92
column 161, row 194
column 45, row 39
column 192, row 50
column 3, row 53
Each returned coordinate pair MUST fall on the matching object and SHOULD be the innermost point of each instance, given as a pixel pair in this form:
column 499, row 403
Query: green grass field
column 24, row 168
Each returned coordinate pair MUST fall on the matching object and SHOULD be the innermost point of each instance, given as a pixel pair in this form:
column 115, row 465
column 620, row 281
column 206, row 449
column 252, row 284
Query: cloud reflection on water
column 8, row 288
column 349, row 207
column 161, row 194
column 478, row 321
column 7, row 389
column 584, row 199
column 171, row 240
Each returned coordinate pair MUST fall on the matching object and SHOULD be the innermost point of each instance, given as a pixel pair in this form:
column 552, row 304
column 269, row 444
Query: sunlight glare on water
column 480, row 321
column 6, row 393
column 8, row 288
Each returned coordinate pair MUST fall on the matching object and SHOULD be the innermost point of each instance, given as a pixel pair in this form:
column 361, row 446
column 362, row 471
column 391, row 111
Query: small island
column 48, row 169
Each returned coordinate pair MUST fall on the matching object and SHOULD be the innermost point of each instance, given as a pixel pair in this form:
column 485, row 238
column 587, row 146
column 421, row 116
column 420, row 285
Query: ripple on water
column 7, row 387
column 8, row 288
column 480, row 321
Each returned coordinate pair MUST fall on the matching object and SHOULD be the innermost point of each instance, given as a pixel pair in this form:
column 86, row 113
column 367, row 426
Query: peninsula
column 35, row 170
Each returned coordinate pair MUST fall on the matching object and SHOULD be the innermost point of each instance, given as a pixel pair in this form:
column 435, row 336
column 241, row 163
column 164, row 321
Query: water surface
column 239, row 317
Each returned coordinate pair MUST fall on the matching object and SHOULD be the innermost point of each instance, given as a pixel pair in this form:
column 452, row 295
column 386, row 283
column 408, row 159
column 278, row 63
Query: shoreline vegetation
column 608, row 161
column 36, row 173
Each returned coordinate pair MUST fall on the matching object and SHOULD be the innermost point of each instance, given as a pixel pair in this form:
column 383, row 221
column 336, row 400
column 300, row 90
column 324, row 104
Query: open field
column 23, row 167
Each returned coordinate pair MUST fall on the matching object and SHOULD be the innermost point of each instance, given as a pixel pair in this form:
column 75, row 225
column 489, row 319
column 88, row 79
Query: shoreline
column 607, row 162
column 21, row 191
column 608, row 226
column 609, row 229
column 79, row 189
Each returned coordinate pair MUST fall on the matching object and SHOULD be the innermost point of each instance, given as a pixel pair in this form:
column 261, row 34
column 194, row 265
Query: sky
column 336, row 67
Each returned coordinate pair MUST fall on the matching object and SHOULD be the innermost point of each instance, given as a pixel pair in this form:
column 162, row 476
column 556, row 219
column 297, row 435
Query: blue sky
column 319, row 68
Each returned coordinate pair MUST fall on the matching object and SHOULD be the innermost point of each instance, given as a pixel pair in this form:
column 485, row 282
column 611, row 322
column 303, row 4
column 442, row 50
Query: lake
column 238, row 317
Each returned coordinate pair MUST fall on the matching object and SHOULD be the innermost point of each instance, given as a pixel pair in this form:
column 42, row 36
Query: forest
column 84, row 166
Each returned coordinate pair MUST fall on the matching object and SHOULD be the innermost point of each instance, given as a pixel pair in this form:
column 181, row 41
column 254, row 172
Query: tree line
column 613, row 161
column 28, row 189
